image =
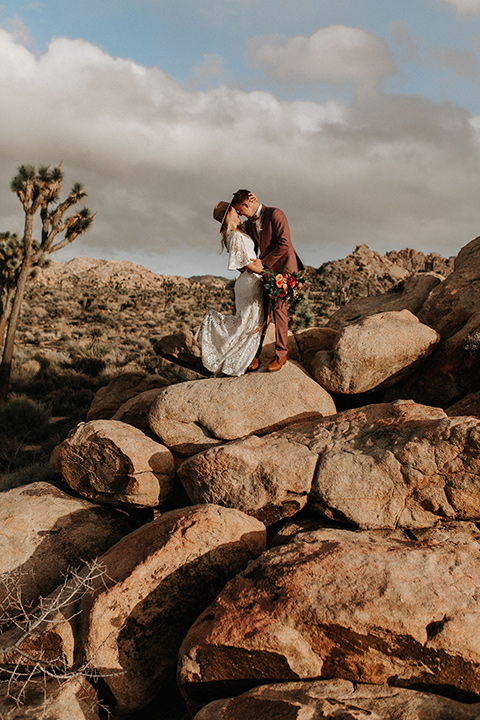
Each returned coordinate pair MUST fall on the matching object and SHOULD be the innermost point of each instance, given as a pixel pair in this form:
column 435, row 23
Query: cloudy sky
column 359, row 118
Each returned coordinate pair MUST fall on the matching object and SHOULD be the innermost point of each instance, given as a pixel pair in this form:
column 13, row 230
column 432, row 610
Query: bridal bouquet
column 283, row 286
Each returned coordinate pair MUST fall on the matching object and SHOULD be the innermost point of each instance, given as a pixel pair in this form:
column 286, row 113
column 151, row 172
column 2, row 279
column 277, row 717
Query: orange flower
column 279, row 281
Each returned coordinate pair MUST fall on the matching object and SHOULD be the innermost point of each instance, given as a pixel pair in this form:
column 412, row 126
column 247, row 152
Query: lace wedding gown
column 229, row 342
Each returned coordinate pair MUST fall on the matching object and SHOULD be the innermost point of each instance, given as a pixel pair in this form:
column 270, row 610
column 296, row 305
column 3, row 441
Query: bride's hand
column 255, row 266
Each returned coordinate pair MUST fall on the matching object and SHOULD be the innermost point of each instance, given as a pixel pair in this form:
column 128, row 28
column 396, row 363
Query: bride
column 229, row 342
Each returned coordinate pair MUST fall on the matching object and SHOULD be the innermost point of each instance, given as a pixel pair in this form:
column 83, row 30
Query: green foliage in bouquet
column 283, row 286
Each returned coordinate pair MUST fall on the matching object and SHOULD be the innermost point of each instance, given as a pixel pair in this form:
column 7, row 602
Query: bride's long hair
column 227, row 226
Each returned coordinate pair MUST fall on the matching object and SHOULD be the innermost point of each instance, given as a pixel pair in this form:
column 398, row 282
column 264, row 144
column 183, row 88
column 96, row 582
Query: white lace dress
column 229, row 342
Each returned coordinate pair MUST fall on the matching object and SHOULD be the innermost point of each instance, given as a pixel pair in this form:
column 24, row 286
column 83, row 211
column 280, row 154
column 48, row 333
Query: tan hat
column 220, row 210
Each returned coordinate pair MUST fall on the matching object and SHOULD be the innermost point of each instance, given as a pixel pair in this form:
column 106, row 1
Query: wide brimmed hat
column 220, row 210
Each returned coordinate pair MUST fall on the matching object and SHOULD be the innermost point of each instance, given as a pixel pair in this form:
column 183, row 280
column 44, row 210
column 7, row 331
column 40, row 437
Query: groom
column 268, row 228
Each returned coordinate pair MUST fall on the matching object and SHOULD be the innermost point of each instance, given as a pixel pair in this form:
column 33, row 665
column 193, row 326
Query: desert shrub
column 303, row 317
column 22, row 417
column 88, row 365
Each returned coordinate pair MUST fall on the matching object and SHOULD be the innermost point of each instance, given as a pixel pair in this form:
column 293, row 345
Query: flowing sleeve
column 239, row 255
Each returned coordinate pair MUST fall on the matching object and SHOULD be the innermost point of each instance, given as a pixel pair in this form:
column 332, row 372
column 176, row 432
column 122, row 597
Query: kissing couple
column 231, row 344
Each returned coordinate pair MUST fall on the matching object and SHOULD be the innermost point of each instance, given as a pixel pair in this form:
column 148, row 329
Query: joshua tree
column 38, row 191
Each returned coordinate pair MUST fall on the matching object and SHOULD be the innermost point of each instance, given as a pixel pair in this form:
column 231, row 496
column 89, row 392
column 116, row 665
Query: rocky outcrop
column 409, row 294
column 193, row 416
column 156, row 582
column 45, row 532
column 268, row 477
column 122, row 388
column 114, row 463
column 73, row 699
column 396, row 465
column 374, row 353
column 94, row 272
column 339, row 604
column 453, row 310
column 379, row 466
column 337, row 700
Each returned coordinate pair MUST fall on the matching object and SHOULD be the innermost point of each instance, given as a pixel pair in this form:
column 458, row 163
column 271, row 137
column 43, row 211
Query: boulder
column 111, row 397
column 469, row 405
column 349, row 605
column 268, row 478
column 374, row 353
column 312, row 340
column 114, row 463
column 337, row 700
column 453, row 310
column 384, row 465
column 156, row 582
column 194, row 416
column 397, row 465
column 409, row 294
column 45, row 532
column 73, row 699
column 135, row 411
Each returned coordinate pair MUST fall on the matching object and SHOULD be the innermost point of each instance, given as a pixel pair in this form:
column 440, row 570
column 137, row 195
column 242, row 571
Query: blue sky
column 360, row 118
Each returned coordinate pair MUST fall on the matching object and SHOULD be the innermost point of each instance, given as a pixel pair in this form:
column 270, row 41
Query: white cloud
column 19, row 31
column 155, row 157
column 334, row 54
column 465, row 7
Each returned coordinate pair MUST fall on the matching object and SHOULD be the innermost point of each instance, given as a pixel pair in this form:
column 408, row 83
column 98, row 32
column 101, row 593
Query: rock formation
column 192, row 416
column 374, row 352
column 337, row 700
column 366, row 602
column 336, row 604
column 112, row 462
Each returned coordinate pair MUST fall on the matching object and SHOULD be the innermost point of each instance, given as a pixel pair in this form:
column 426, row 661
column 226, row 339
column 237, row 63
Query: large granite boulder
column 268, row 477
column 156, row 582
column 111, row 397
column 337, row 700
column 374, row 352
column 385, row 465
column 114, row 463
column 44, row 532
column 337, row 604
column 194, row 416
column 397, row 465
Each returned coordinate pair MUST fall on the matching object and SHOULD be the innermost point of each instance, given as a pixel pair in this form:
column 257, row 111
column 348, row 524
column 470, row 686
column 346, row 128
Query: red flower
column 291, row 281
column 283, row 293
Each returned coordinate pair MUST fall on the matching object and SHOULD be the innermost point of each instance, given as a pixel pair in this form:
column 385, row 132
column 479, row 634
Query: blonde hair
column 226, row 228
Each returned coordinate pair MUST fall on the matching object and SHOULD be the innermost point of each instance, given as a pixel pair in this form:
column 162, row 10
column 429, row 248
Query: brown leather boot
column 253, row 365
column 277, row 363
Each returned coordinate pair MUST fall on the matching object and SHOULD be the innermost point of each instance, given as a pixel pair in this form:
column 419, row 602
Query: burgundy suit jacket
column 274, row 243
